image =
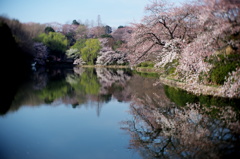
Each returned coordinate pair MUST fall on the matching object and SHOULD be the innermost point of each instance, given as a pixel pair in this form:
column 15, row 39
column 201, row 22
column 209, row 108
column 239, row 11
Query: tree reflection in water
column 166, row 122
column 76, row 87
column 161, row 129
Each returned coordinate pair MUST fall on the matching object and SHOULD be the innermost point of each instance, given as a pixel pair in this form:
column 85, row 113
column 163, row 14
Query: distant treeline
column 50, row 43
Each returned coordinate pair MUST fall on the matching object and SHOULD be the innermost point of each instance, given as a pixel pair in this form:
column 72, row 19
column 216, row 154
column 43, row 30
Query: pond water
column 104, row 113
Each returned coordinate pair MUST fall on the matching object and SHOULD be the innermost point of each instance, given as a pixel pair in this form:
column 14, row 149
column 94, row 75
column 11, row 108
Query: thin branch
column 145, row 52
column 155, row 36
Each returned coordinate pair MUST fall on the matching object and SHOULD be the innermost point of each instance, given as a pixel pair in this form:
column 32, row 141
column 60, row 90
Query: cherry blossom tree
column 108, row 56
column 218, row 20
column 191, row 33
column 122, row 34
column 165, row 22
column 96, row 32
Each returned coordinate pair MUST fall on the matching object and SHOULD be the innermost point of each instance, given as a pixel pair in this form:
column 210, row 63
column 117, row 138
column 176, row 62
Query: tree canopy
column 89, row 53
column 56, row 42
column 48, row 29
column 75, row 51
column 75, row 22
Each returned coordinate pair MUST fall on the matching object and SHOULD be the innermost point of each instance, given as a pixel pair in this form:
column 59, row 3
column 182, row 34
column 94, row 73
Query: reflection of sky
column 63, row 132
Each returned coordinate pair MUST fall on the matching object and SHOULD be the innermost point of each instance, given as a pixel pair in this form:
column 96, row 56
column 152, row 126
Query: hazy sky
column 112, row 12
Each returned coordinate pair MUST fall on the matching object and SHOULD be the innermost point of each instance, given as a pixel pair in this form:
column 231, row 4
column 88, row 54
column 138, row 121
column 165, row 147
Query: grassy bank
column 211, row 90
column 104, row 66
column 200, row 89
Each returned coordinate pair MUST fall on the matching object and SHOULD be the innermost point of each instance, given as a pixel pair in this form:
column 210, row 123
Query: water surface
column 113, row 113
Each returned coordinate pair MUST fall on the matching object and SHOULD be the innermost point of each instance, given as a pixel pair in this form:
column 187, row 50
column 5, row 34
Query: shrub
column 223, row 65
column 170, row 67
column 147, row 75
column 106, row 36
column 219, row 73
column 146, row 64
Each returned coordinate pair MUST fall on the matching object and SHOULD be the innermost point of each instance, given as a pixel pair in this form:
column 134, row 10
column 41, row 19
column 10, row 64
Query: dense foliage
column 23, row 33
column 89, row 53
column 75, row 50
column 48, row 29
column 13, row 54
column 86, row 49
column 56, row 42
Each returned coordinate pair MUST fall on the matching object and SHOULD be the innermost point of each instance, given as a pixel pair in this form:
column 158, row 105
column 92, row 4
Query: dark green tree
column 56, row 42
column 108, row 29
column 71, row 37
column 75, row 22
column 120, row 27
column 49, row 29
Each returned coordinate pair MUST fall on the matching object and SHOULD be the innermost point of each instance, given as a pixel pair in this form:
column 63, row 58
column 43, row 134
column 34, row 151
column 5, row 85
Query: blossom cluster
column 108, row 56
column 231, row 87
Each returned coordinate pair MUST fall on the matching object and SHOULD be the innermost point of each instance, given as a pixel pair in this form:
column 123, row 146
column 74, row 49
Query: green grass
column 222, row 66
column 147, row 64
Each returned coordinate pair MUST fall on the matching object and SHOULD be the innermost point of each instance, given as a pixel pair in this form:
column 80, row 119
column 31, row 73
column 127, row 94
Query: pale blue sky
column 112, row 12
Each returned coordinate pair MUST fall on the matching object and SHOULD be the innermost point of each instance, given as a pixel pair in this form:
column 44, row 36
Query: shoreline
column 196, row 89
column 103, row 66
